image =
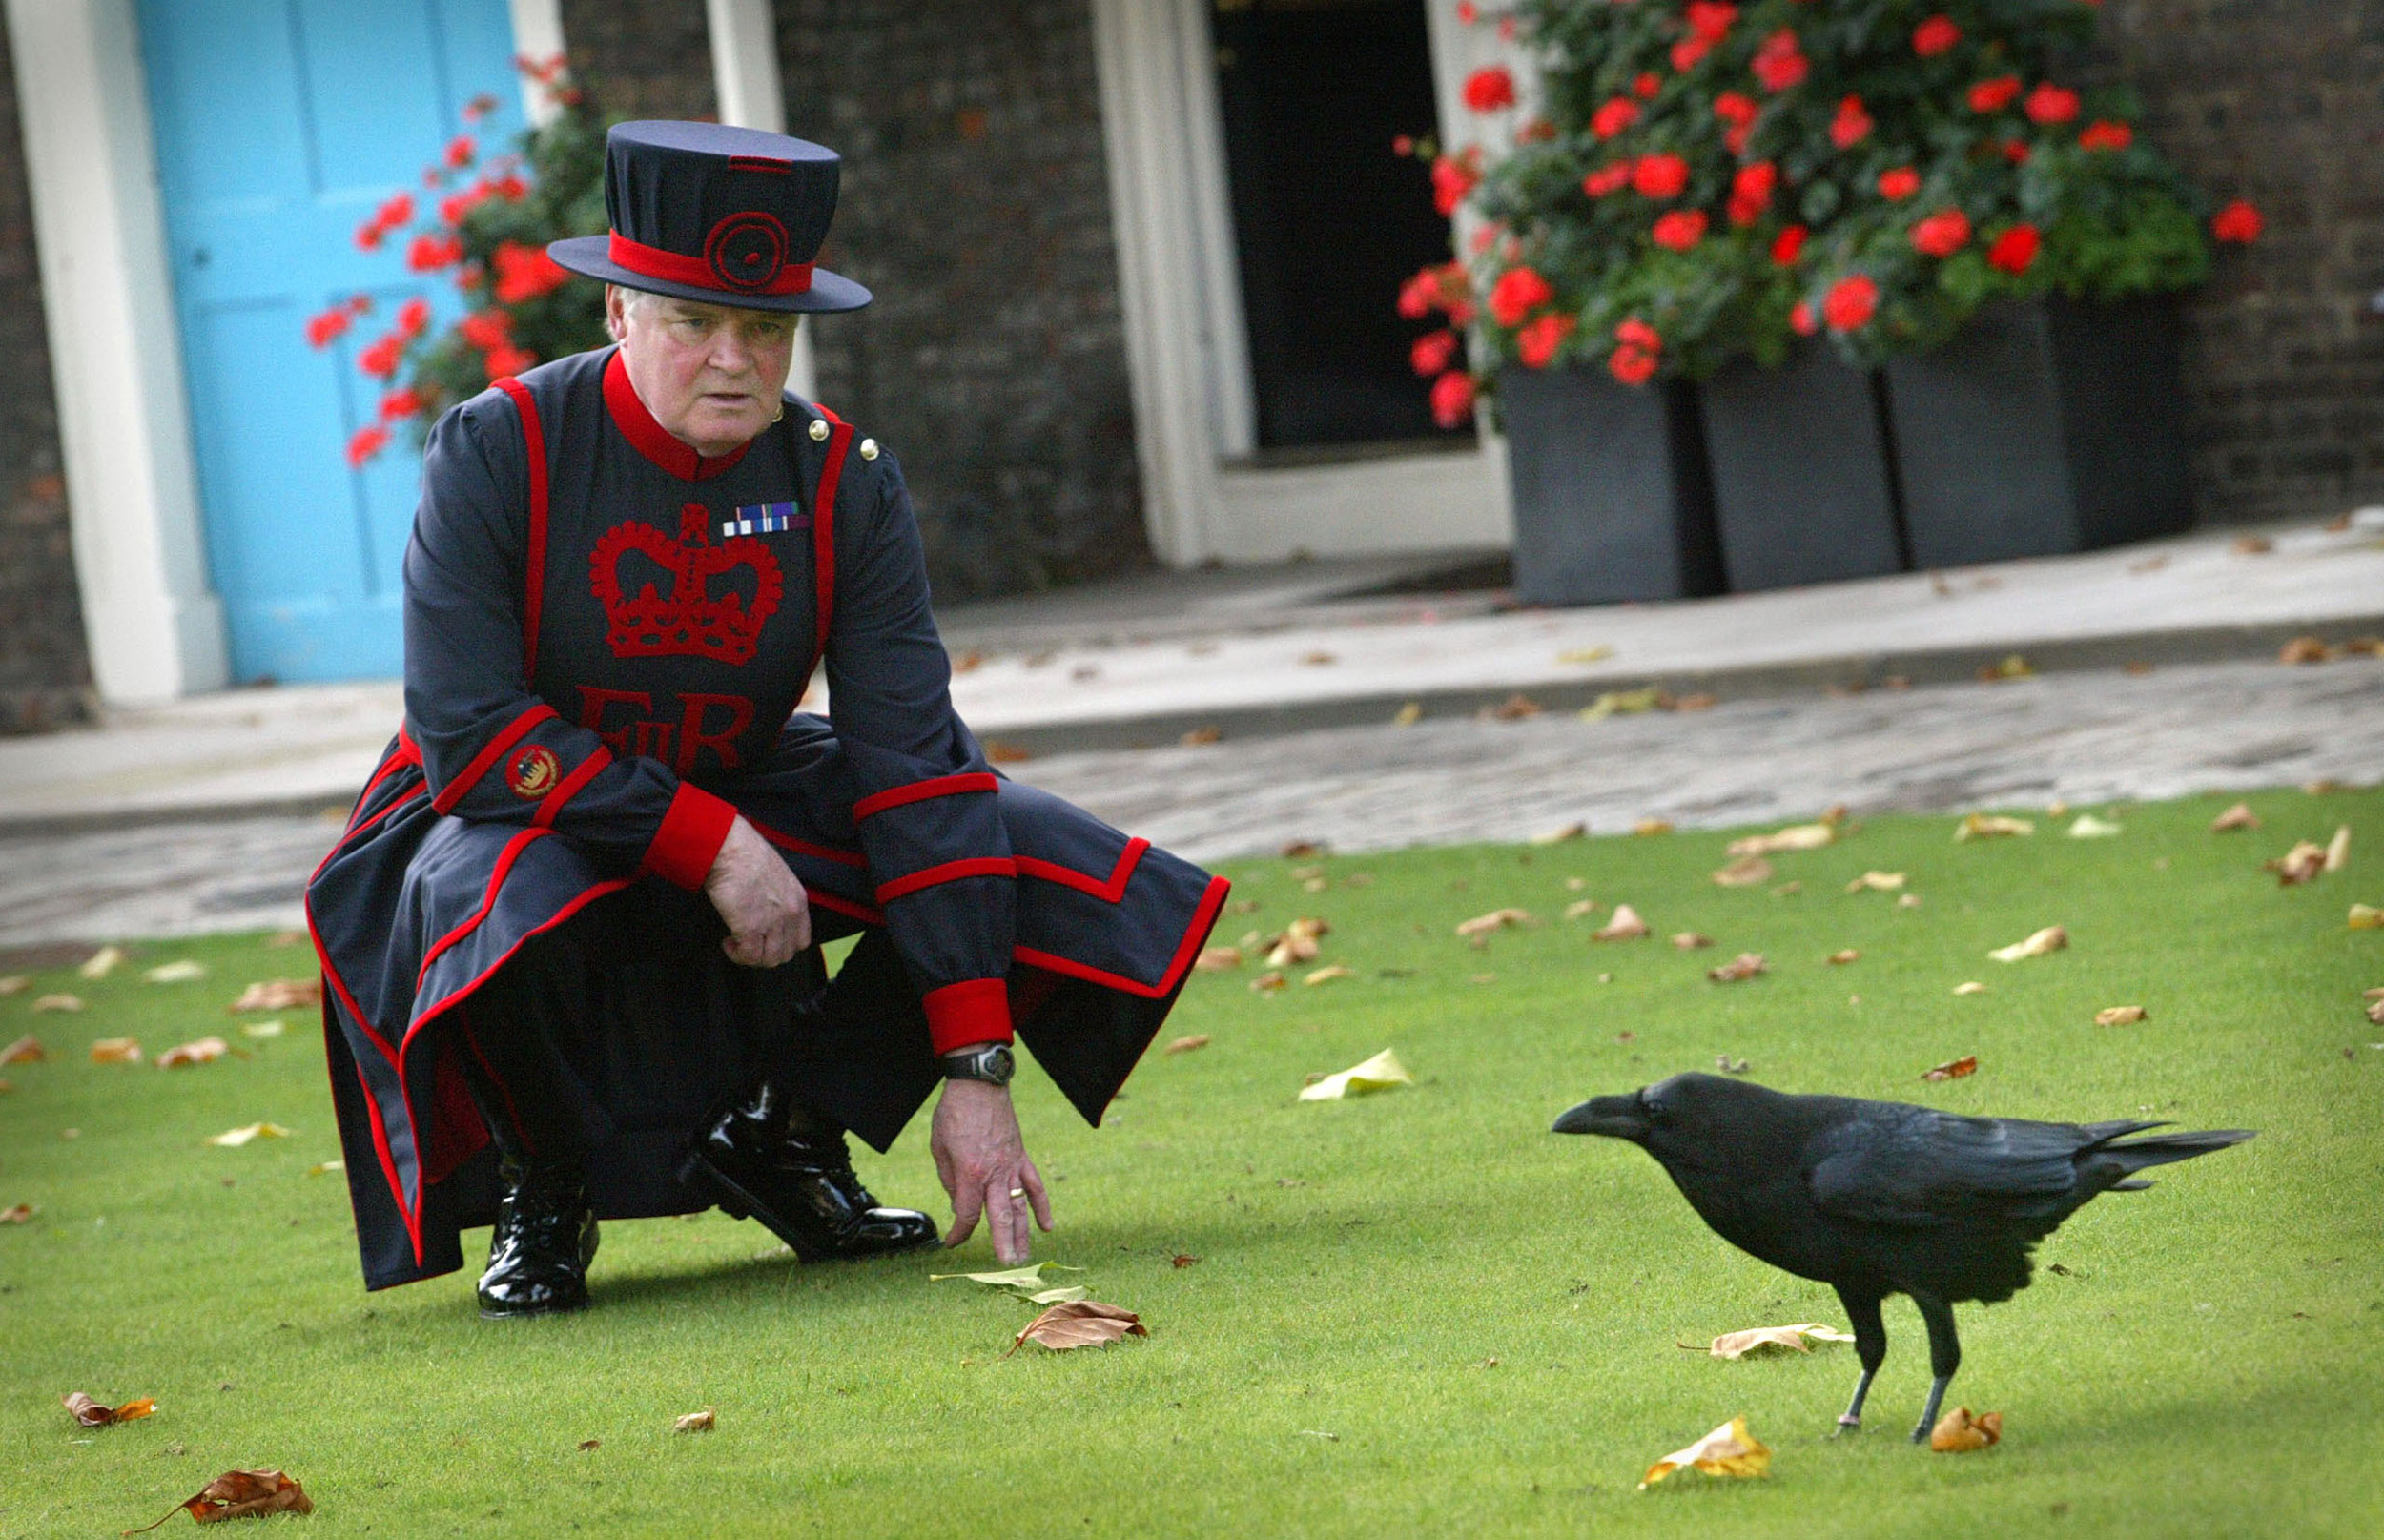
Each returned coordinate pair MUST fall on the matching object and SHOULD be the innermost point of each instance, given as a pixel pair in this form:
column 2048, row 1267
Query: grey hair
column 630, row 300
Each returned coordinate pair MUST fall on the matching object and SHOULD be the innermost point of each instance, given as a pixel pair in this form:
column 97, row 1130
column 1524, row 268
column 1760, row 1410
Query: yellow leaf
column 1839, row 959
column 325, row 1168
column 1624, row 703
column 2338, row 849
column 232, row 1139
column 205, row 1050
column 1973, row 987
column 262, row 1029
column 14, row 983
column 1409, row 715
column 1325, row 975
column 2089, row 827
column 1746, row 872
column 1379, row 1072
column 58, row 1002
column 1497, row 920
column 1877, row 882
column 101, row 963
column 1958, row 1432
column 1625, row 925
column 26, row 1050
column 1737, row 1344
column 182, row 971
column 1589, row 654
column 2119, row 1016
column 2363, row 917
column 1647, row 828
column 1990, row 826
column 1794, row 837
column 115, row 1050
column 2052, row 938
column 1728, row 1450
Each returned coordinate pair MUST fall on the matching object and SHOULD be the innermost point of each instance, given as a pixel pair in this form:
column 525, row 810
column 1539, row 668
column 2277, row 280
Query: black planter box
column 1803, row 488
column 1611, row 495
column 2047, row 426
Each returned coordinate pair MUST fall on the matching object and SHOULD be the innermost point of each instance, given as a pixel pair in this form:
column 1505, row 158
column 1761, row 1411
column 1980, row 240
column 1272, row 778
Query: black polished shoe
column 545, row 1239
column 769, row 1158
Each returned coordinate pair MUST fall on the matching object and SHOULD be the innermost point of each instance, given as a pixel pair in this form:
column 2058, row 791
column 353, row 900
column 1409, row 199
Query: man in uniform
column 575, row 911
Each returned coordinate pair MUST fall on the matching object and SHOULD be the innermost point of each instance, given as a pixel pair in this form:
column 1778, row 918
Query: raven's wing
column 1893, row 1164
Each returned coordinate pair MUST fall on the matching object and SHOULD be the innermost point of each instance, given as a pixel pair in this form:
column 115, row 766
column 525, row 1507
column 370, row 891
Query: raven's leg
column 1870, row 1345
column 1944, row 1357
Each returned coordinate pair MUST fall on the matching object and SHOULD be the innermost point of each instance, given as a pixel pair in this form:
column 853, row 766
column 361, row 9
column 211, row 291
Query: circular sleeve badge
column 747, row 250
column 533, row 772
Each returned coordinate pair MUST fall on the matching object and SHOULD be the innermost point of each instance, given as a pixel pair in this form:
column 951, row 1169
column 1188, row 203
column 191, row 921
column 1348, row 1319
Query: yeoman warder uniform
column 529, row 1017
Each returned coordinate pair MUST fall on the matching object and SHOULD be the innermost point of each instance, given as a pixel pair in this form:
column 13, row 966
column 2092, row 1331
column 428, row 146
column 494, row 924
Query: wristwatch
column 992, row 1063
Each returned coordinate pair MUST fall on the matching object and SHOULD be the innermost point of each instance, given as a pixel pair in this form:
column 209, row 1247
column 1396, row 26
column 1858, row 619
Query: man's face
column 710, row 374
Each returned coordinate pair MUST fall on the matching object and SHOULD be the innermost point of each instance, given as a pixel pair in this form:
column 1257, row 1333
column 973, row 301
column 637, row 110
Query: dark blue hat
column 729, row 217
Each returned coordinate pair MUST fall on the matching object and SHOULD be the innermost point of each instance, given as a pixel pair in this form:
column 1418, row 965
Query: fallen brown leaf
column 1737, row 1345
column 1318, row 659
column 1300, row 849
column 102, row 962
column 1958, row 1432
column 2119, row 1016
column 1183, row 1259
column 1497, row 920
column 1408, row 716
column 1201, row 737
column 1728, row 1450
column 1298, row 942
column 1575, row 829
column 2037, row 944
column 1217, row 959
column 115, row 1050
column 2367, row 917
column 2299, row 865
column 2253, row 545
column 92, row 1414
column 2375, row 1014
column 2304, row 649
column 1327, row 976
column 2338, row 849
column 16, row 1213
column 1700, row 701
column 7, row 1086
column 1973, row 987
column 1738, row 969
column 1625, row 925
column 695, row 1422
column 1877, row 882
column 1580, row 908
column 58, row 1002
column 241, row 1495
column 2238, row 816
column 26, row 1050
column 1990, row 826
column 1080, row 1324
column 279, row 995
column 1690, row 940
column 1839, row 959
column 1953, row 1069
column 14, row 983
column 2013, row 666
column 587, row 1443
column 1907, row 900
column 1192, row 1044
column 1269, row 982
column 1794, row 837
column 183, row 972
column 1649, row 828
column 1746, row 872
column 206, row 1050
column 1514, row 707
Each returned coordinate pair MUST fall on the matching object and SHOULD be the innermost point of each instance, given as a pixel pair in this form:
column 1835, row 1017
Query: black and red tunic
column 606, row 635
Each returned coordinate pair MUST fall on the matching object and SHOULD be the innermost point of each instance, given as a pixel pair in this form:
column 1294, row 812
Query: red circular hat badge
column 747, row 251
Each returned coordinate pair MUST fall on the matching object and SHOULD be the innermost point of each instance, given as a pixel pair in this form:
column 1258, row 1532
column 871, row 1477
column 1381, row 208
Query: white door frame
column 1186, row 348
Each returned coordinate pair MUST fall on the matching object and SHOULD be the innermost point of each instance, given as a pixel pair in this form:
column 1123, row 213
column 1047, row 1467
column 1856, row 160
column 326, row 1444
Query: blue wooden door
column 281, row 125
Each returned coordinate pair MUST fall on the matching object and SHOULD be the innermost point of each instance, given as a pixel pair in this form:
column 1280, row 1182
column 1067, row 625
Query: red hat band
column 745, row 253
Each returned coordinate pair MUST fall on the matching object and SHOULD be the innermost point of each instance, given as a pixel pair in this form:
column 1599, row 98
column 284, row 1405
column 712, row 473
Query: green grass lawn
column 1417, row 1312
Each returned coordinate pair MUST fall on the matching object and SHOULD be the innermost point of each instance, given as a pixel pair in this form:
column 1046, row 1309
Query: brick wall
column 45, row 674
column 643, row 58
column 2282, row 102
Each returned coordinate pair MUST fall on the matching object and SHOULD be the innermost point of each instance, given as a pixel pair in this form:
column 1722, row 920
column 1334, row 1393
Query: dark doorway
column 1328, row 221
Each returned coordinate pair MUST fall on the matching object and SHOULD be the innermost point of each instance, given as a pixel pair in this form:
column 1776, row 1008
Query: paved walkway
column 2085, row 738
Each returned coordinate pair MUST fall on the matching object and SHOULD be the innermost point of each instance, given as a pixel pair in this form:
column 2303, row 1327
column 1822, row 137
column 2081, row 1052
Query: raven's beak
column 1614, row 1116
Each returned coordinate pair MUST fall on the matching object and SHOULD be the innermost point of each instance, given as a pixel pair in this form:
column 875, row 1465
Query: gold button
column 869, row 449
column 819, row 427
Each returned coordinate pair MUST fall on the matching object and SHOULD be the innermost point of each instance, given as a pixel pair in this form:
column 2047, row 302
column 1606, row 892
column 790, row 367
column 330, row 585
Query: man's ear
column 616, row 311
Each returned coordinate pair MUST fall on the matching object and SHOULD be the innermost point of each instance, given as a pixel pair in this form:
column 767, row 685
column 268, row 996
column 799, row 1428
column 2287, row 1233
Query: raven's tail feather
column 2127, row 1159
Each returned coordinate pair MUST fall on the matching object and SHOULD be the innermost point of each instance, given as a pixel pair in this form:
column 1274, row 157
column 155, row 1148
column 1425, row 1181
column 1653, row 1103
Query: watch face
column 1002, row 1064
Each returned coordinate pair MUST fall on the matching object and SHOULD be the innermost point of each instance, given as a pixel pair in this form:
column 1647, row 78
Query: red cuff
column 975, row 1011
column 690, row 839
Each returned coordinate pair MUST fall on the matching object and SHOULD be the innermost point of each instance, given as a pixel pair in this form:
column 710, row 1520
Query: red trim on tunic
column 513, row 1109
column 850, row 908
column 697, row 273
column 389, row 1165
column 514, row 731
column 804, row 846
column 405, row 754
column 975, row 865
column 684, row 849
column 1112, row 890
column 1202, row 917
column 534, row 560
column 570, row 787
column 497, row 875
column 976, row 1010
column 649, row 437
column 937, row 786
column 823, row 533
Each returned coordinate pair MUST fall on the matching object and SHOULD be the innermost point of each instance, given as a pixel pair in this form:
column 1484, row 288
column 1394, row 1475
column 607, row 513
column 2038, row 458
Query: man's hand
column 761, row 901
column 982, row 1161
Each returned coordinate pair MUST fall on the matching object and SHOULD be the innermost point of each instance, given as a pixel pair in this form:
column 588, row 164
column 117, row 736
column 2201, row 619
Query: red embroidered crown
column 690, row 622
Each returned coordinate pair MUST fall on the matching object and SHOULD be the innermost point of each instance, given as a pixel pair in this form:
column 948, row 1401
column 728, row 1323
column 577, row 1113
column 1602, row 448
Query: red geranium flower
column 2016, row 150
column 1537, row 342
column 1468, row 14
column 525, row 272
column 1735, row 107
column 1934, row 36
column 1994, row 96
column 366, row 443
column 2238, row 222
column 1852, row 125
column 461, row 149
column 403, row 401
column 322, row 330
column 1686, row 52
column 1851, row 302
column 1633, row 332
column 2105, row 135
column 2014, row 251
column 1711, row 21
column 1613, row 116
column 1419, row 295
column 508, row 360
column 430, row 253
column 1801, row 320
column 1535, row 130
column 1680, row 230
column 1490, row 89
column 368, row 236
column 510, row 188
column 1660, row 176
column 478, row 107
column 1941, row 233
column 397, row 211
column 1647, row 83
column 1789, row 245
column 413, row 316
column 380, row 360
column 1607, row 178
column 1751, row 192
column 1452, row 397
column 1631, row 365
column 1780, row 63
column 2050, row 104
column 487, row 329
column 1518, row 292
column 1431, row 353
column 1453, row 176
column 1898, row 184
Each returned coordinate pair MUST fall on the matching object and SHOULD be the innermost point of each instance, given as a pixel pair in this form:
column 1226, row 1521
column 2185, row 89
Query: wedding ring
column 1018, row 1191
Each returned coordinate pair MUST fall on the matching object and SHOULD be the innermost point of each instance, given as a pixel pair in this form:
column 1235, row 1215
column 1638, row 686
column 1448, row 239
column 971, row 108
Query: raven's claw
column 1847, row 1424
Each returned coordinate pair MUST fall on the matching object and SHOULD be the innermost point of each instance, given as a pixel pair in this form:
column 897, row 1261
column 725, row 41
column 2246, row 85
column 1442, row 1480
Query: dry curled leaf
column 2338, row 849
column 1728, row 1450
column 1794, row 837
column 241, row 1495
column 1690, row 940
column 205, row 1050
column 2013, row 665
column 1576, row 830
column 2238, row 816
column 1700, row 701
column 1758, row 1340
column 58, row 1002
column 1953, row 1069
column 2363, row 917
column 1514, row 707
column 14, row 983
column 1958, row 1432
column 2089, row 827
column 115, row 1050
column 1649, row 828
column 1497, row 920
column 2296, row 866
column 695, row 1422
column 2119, row 1016
column 1381, row 1072
column 92, row 1414
column 1327, row 976
column 1738, row 969
column 16, row 1214
column 1201, row 737
column 26, row 1050
column 102, row 962
column 1907, row 900
column 1298, row 942
column 1270, row 982
column 1990, row 826
column 2041, row 943
column 1217, row 959
column 1300, row 849
column 279, row 995
column 1080, row 1324
column 232, row 1139
column 1746, row 872
column 2253, row 545
column 1625, row 702
column 1408, row 716
column 1185, row 1045
column 1877, row 882
column 1970, row 987
column 587, row 1443
column 1580, row 908
column 1183, row 1259
column 1625, row 925
column 182, row 971
column 2304, row 649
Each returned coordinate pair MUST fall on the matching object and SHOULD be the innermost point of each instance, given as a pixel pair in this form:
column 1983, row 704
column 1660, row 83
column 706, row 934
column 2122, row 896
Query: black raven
column 1879, row 1198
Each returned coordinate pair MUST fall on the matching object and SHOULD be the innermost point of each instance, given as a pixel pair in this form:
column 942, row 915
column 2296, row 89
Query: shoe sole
column 486, row 1314
column 694, row 1171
